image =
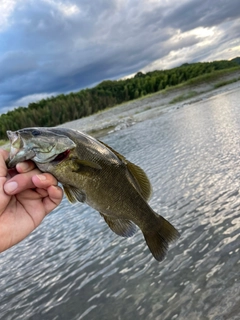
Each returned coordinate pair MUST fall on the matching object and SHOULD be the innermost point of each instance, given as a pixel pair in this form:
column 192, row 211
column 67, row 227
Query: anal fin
column 73, row 194
column 122, row 227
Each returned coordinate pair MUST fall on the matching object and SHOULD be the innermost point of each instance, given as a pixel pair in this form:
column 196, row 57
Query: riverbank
column 151, row 106
column 127, row 114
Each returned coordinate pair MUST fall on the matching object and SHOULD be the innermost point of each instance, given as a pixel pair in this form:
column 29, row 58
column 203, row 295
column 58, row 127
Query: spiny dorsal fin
column 121, row 227
column 142, row 183
column 73, row 194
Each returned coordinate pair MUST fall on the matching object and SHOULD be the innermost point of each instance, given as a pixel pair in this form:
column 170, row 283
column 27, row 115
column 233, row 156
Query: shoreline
column 151, row 106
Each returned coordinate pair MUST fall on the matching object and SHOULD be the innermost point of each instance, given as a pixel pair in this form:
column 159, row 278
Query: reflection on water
column 74, row 267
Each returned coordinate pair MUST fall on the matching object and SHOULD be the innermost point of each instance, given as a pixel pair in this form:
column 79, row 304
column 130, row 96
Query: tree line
column 62, row 108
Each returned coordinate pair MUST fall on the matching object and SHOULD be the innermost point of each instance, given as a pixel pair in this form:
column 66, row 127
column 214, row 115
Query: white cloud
column 24, row 101
column 66, row 8
column 190, row 46
column 69, row 9
column 6, row 8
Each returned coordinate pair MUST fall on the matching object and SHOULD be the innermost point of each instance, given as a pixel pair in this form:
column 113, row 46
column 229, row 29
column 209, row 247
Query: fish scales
column 92, row 172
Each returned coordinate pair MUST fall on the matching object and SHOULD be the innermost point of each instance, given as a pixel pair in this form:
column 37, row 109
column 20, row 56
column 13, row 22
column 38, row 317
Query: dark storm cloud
column 51, row 46
column 202, row 13
column 15, row 64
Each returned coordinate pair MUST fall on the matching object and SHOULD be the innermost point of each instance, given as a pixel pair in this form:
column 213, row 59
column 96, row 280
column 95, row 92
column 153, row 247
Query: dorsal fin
column 141, row 181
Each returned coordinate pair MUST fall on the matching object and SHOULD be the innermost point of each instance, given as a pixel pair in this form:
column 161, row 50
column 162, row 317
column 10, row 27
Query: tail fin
column 159, row 238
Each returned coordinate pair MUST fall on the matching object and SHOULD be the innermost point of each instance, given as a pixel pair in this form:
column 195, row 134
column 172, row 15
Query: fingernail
column 24, row 166
column 41, row 177
column 10, row 186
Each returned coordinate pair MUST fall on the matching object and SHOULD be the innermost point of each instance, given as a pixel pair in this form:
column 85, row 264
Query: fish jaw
column 15, row 141
column 17, row 152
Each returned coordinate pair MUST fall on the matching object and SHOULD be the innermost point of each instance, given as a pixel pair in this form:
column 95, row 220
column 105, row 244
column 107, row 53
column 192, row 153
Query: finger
column 54, row 198
column 42, row 192
column 44, row 180
column 20, row 182
column 4, row 153
column 25, row 166
column 3, row 167
column 3, row 178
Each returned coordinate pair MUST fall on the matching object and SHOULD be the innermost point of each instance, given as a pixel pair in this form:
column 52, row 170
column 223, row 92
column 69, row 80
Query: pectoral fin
column 90, row 164
column 121, row 227
column 84, row 165
column 73, row 194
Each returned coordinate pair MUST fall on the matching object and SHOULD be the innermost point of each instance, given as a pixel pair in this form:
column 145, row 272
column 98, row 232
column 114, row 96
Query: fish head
column 40, row 145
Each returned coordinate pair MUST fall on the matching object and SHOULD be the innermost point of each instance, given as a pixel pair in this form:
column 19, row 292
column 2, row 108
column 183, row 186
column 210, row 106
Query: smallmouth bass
column 92, row 172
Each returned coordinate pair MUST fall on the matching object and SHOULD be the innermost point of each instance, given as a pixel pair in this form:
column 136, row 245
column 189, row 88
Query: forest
column 66, row 107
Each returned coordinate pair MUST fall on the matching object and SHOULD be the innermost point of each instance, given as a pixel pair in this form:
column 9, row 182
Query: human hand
column 26, row 197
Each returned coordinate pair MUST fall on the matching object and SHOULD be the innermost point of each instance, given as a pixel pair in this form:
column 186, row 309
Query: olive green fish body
column 98, row 167
column 94, row 173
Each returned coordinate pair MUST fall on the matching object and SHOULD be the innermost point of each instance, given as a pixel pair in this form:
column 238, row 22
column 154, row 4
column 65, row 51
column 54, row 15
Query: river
column 74, row 267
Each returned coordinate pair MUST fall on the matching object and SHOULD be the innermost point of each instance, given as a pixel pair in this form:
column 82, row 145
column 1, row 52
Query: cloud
column 14, row 64
column 204, row 13
column 34, row 97
column 6, row 8
column 60, row 46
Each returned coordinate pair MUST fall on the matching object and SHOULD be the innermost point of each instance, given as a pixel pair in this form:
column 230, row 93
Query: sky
column 49, row 47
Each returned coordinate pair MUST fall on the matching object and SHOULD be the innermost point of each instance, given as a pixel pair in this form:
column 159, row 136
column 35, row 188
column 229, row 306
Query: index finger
column 25, row 166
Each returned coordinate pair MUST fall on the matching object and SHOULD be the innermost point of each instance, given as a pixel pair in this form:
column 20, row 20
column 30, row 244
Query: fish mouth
column 18, row 152
column 15, row 140
column 16, row 145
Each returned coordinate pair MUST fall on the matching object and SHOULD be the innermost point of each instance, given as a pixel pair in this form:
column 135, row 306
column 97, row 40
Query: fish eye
column 36, row 133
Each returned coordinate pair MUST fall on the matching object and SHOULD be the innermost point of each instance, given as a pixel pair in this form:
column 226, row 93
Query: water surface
column 74, row 267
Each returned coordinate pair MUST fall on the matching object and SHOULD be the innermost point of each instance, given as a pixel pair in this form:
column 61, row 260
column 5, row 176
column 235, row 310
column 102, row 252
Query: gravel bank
column 127, row 114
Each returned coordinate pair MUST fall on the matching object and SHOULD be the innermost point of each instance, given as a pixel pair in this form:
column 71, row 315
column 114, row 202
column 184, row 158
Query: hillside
column 236, row 60
column 63, row 108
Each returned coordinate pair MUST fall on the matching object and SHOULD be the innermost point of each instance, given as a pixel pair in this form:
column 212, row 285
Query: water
column 74, row 267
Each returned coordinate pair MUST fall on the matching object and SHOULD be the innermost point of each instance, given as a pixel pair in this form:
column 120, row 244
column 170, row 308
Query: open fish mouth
column 18, row 151
column 16, row 142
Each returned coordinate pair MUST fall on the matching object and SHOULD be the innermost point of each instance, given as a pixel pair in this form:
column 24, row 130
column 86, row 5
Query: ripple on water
column 74, row 267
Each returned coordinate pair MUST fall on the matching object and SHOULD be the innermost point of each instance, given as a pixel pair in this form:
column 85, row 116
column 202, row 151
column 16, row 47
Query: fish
column 94, row 173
